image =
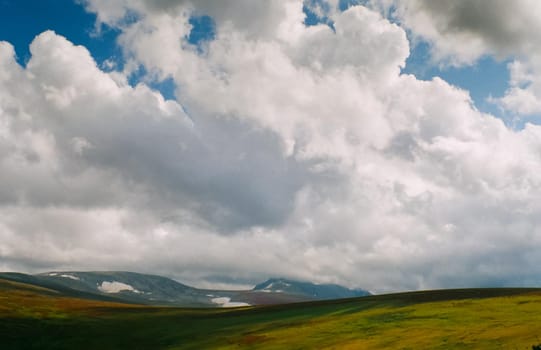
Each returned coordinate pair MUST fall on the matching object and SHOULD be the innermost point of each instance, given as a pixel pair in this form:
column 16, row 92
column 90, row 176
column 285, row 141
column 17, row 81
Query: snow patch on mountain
column 226, row 302
column 116, row 287
column 271, row 287
column 70, row 277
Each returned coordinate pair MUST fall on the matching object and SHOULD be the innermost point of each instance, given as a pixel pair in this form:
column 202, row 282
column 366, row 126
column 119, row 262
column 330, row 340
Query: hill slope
column 38, row 318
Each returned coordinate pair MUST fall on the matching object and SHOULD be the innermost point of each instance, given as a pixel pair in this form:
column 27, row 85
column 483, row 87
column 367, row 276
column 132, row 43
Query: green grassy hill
column 33, row 317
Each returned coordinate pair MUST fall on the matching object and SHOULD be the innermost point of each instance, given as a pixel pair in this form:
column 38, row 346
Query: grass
column 39, row 318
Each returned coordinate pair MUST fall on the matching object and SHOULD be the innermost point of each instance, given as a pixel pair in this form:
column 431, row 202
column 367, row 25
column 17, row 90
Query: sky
column 388, row 145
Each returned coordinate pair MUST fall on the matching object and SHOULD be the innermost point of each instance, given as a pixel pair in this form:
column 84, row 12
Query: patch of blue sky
column 311, row 19
column 519, row 122
column 316, row 10
column 138, row 75
column 486, row 78
column 316, row 13
column 203, row 30
column 165, row 86
column 23, row 20
column 345, row 4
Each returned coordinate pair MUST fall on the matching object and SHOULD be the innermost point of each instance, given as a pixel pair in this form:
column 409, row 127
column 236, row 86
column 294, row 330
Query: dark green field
column 37, row 318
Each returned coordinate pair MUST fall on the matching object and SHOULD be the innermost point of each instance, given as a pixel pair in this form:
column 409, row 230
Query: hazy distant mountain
column 131, row 286
column 157, row 290
column 316, row 291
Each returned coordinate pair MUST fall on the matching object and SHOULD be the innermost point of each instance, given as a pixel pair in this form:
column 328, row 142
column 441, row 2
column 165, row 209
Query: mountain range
column 140, row 288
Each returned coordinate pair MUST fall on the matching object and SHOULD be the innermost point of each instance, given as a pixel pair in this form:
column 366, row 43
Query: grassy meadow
column 38, row 318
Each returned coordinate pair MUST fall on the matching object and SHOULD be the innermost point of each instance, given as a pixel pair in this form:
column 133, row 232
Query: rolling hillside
column 33, row 317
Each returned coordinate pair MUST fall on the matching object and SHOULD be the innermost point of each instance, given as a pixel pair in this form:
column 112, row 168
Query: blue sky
column 487, row 77
column 294, row 145
column 23, row 20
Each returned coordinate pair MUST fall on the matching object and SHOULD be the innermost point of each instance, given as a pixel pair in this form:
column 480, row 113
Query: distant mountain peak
column 274, row 285
column 316, row 291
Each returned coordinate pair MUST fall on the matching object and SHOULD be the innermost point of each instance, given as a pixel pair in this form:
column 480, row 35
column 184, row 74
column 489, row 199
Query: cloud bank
column 290, row 150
